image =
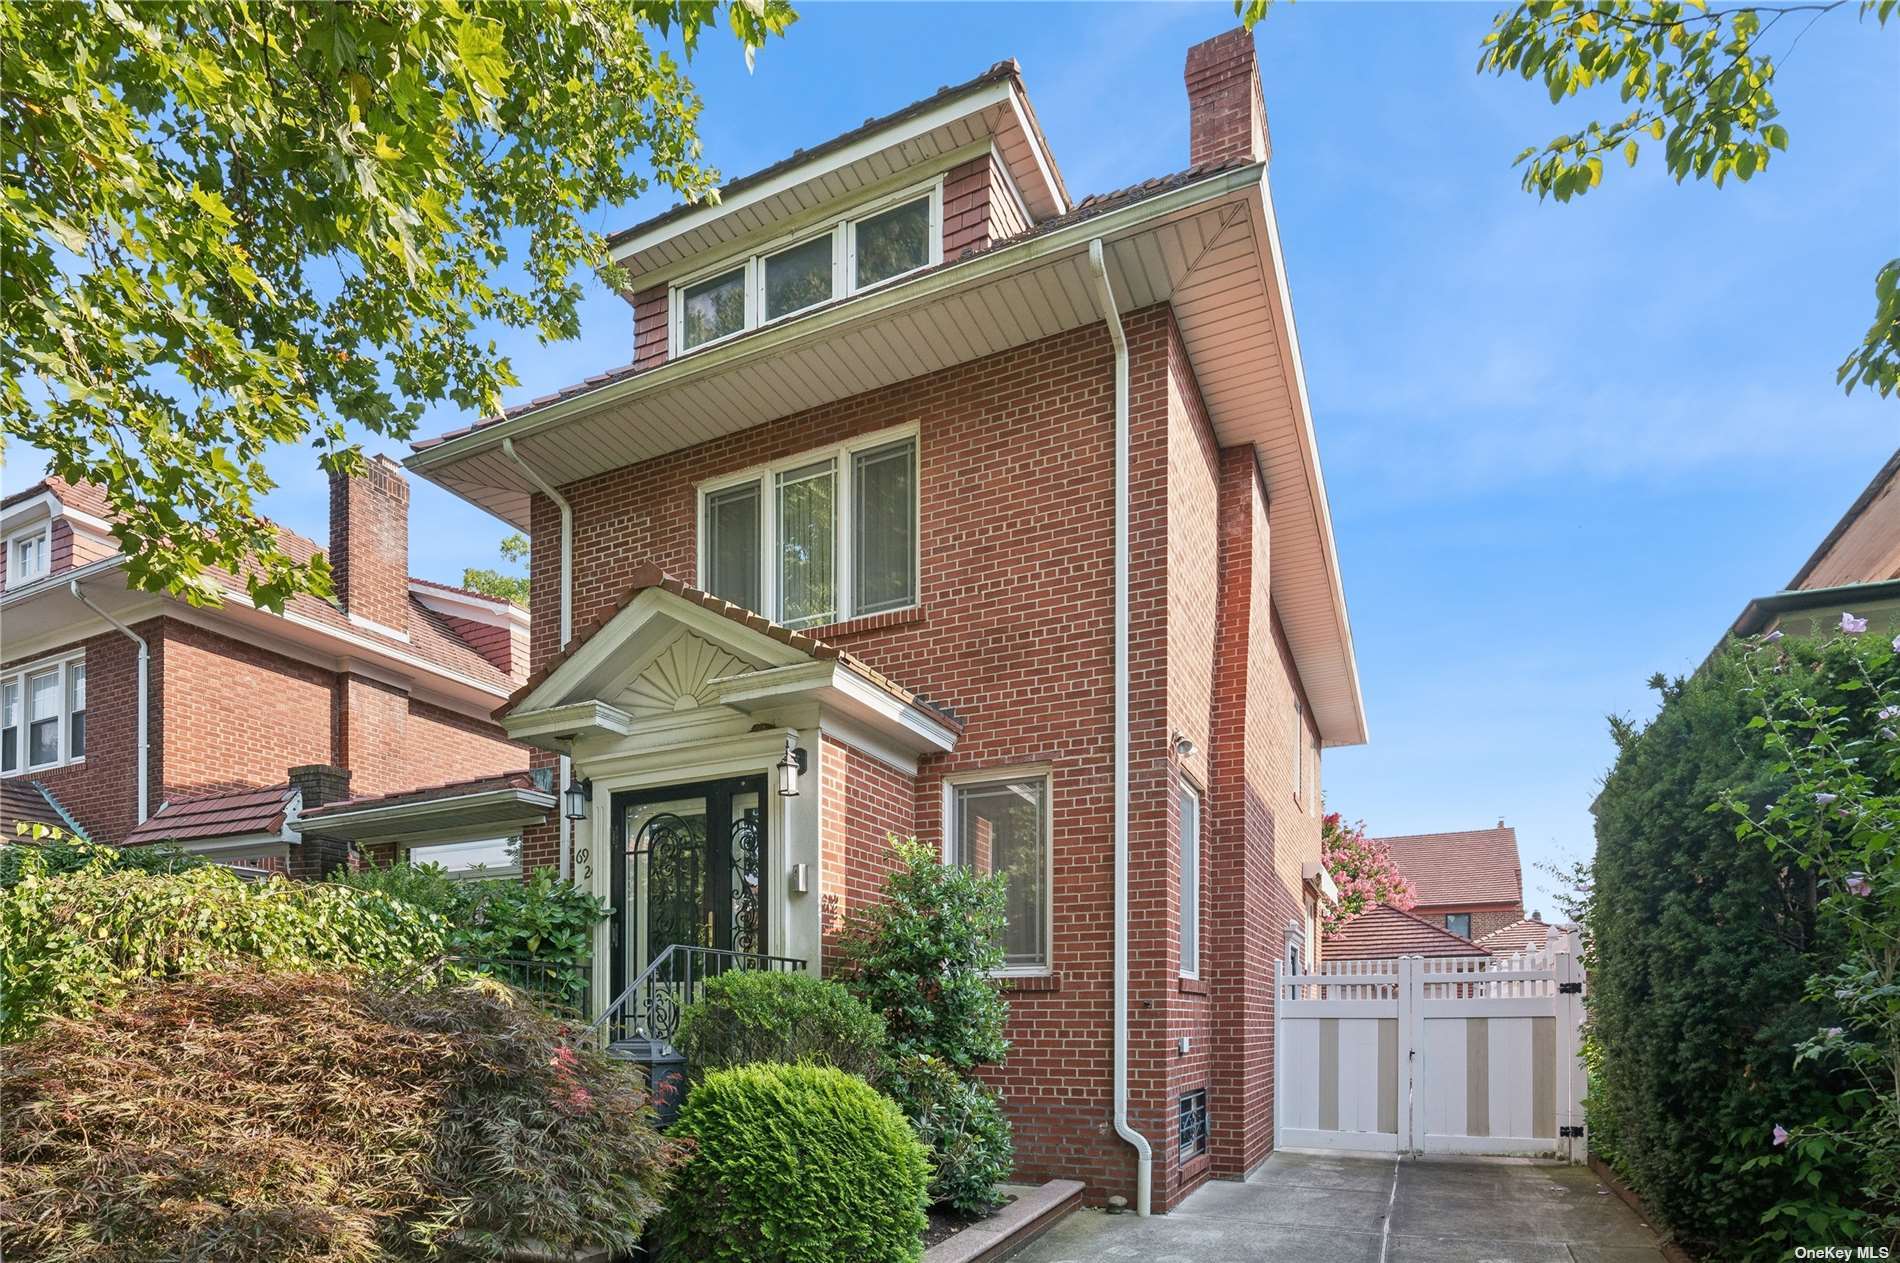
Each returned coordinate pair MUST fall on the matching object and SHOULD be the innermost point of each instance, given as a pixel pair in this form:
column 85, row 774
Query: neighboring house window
column 1295, row 947
column 817, row 539
column 1459, row 923
column 1190, row 881
column 472, row 860
column 1001, row 825
column 1193, row 1116
column 29, row 556
column 881, row 242
column 43, row 715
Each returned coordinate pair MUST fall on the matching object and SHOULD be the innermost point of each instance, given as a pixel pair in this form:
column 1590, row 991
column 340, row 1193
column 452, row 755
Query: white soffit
column 1210, row 248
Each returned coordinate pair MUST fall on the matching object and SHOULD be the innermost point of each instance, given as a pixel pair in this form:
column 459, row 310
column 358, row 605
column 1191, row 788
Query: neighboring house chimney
column 369, row 544
column 317, row 784
column 1227, row 119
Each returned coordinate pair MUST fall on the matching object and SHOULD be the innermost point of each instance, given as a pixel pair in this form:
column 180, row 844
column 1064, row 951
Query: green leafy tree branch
column 496, row 583
column 228, row 226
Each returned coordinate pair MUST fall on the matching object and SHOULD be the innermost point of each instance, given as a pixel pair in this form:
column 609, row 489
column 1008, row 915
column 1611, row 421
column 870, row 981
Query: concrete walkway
column 1331, row 1209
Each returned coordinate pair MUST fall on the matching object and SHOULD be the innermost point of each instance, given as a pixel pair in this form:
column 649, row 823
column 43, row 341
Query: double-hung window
column 1001, row 825
column 826, row 536
column 1190, row 881
column 43, row 716
column 882, row 241
column 29, row 556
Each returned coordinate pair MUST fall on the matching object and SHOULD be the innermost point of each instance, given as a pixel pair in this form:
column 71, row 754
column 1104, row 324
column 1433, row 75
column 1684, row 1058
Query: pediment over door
column 681, row 678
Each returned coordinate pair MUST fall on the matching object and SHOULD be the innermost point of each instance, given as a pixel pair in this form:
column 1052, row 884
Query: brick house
column 131, row 718
column 935, row 502
column 1468, row 882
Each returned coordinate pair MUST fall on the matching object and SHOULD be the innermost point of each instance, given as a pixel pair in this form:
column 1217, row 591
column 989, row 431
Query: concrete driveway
column 1331, row 1209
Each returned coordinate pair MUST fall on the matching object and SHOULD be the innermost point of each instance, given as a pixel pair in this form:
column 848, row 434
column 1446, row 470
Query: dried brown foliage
column 316, row 1118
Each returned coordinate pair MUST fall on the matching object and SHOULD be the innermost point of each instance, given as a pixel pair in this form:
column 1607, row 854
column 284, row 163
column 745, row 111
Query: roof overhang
column 1209, row 247
column 1763, row 610
column 990, row 111
column 1315, row 874
column 492, row 811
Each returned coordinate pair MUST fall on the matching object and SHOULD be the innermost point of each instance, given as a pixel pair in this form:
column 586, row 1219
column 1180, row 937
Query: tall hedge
column 1703, row 947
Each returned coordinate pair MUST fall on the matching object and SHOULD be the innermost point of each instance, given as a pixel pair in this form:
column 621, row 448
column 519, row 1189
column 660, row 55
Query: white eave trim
column 869, row 307
column 576, row 719
column 834, row 685
column 57, row 581
column 403, row 818
column 1316, row 875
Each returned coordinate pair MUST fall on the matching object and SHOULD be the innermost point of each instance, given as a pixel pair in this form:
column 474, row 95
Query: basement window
column 1193, row 1117
column 819, row 538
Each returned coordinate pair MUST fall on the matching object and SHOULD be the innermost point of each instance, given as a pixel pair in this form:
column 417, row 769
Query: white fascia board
column 477, row 609
column 1019, row 108
column 268, row 844
column 1315, row 874
column 50, row 506
column 975, row 101
column 867, row 308
column 1273, row 264
column 836, row 686
column 576, row 719
column 57, row 581
column 424, row 814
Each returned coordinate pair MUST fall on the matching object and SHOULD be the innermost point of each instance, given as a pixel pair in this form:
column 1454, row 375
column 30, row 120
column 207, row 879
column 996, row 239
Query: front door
column 688, row 868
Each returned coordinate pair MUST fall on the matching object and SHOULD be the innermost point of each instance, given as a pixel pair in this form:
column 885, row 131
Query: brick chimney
column 1227, row 119
column 369, row 544
column 315, row 856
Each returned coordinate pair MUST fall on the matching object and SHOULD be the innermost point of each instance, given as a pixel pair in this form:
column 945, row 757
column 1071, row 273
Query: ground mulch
column 945, row 1224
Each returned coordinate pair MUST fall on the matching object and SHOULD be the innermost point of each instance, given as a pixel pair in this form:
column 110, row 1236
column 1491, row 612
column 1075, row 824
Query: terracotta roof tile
column 1518, row 936
column 1385, row 931
column 87, row 497
column 29, row 802
column 649, row 575
column 1476, row 866
column 427, row 793
column 230, row 814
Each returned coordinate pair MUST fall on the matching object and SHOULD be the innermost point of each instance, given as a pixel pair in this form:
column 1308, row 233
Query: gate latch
column 1570, row 1131
column 1570, row 988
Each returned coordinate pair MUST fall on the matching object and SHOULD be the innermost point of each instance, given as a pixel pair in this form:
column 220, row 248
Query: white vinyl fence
column 1422, row 1054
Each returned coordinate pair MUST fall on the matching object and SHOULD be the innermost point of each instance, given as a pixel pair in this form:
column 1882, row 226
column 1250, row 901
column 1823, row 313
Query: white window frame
column 843, row 557
column 1295, row 943
column 1299, row 751
column 844, row 269
column 1190, row 853
column 43, row 532
column 999, row 776
column 18, row 676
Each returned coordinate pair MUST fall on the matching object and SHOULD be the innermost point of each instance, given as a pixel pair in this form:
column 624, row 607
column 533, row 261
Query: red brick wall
column 862, row 804
column 1484, row 917
column 230, row 715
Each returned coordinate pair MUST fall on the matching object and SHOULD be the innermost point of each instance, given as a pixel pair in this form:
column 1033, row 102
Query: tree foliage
column 502, row 586
column 747, row 1015
column 1703, row 948
column 229, row 226
column 1363, row 869
column 1698, row 80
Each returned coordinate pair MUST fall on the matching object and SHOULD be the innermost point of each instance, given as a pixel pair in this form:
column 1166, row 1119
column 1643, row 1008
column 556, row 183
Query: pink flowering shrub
column 1364, row 870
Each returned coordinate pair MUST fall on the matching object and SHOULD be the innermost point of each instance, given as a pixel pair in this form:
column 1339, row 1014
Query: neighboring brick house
column 1854, row 570
column 1469, row 883
column 1383, row 931
column 1529, row 935
column 852, row 516
column 248, row 718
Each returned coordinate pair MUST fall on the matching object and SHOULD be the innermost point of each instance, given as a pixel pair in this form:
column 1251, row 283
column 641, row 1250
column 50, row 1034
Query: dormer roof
column 992, row 110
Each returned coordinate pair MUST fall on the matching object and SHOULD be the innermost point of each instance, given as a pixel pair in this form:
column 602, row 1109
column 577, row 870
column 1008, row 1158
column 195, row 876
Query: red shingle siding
column 978, row 206
column 650, row 333
column 506, row 648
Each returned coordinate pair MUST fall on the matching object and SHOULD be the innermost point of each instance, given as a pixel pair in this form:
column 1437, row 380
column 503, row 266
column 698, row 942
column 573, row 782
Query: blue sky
column 1563, row 444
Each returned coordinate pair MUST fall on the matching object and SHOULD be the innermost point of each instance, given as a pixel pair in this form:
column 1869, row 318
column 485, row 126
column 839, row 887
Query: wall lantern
column 1183, row 746
column 575, row 798
column 791, row 767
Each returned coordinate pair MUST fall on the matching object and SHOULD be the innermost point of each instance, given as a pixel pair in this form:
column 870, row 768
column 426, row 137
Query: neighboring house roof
column 1864, row 546
column 651, row 576
column 235, row 813
column 1383, row 930
column 1857, row 598
column 29, row 803
column 1472, row 867
column 1519, row 936
column 85, row 496
column 482, row 806
column 524, row 780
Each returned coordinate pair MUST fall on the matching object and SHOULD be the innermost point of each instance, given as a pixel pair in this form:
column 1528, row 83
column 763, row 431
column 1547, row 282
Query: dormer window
column 29, row 555
column 888, row 239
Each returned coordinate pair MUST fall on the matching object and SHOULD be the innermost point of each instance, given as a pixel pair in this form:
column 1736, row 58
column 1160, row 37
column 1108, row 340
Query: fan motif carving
column 678, row 679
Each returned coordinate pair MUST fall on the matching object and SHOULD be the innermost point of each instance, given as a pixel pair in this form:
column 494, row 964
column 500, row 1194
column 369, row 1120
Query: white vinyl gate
column 1422, row 1054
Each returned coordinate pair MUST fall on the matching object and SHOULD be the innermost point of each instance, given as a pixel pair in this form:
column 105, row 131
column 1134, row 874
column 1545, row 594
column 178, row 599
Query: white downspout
column 1144, row 1156
column 145, row 704
column 565, row 847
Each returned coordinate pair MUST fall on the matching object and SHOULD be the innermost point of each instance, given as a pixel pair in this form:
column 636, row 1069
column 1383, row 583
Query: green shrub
column 317, row 1118
column 923, row 954
column 961, row 1122
column 79, row 939
column 747, row 1015
column 49, row 852
column 1702, row 949
column 537, row 933
column 795, row 1164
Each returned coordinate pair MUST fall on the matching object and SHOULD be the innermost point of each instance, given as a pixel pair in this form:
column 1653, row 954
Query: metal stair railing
column 648, row 1010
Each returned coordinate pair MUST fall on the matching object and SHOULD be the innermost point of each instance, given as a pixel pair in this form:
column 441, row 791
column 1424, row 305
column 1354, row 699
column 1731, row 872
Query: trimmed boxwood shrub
column 1703, row 945
column 962, row 1123
column 82, row 938
column 747, row 1015
column 319, row 1118
column 795, row 1164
